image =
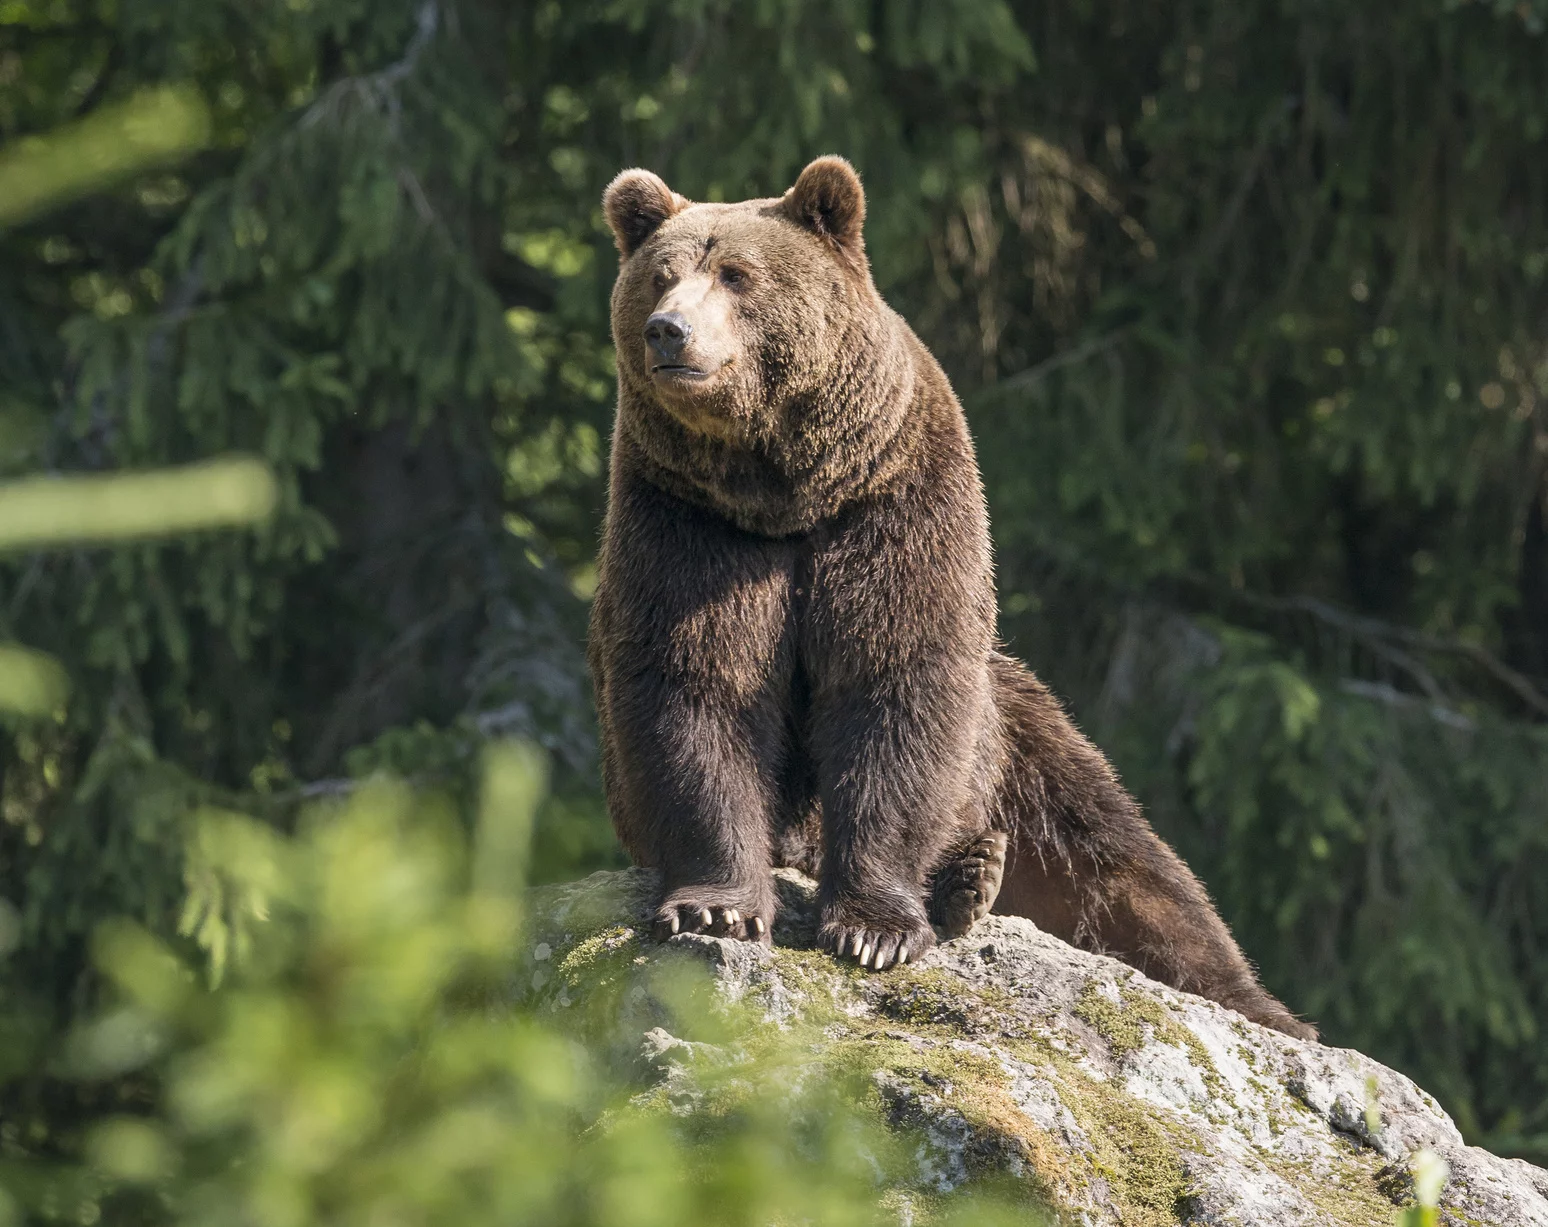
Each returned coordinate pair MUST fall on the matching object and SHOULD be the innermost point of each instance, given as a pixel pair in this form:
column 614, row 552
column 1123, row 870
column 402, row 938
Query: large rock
column 1106, row 1095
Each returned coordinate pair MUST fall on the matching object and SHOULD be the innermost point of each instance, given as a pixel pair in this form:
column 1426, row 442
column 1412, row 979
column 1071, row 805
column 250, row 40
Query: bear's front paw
column 719, row 910
column 874, row 942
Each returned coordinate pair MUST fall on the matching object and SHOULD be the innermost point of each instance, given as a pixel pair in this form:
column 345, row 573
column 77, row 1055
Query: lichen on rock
column 1009, row 1059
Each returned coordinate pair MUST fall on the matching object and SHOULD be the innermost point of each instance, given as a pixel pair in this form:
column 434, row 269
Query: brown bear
column 793, row 637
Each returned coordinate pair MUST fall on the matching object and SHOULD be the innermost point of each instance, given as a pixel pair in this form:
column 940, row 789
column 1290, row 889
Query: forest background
column 1245, row 299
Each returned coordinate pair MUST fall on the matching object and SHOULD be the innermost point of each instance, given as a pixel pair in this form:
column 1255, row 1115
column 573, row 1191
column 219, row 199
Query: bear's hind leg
column 1088, row 868
column 1141, row 904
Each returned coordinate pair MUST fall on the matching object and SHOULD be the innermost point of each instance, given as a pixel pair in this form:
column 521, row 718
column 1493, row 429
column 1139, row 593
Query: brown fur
column 792, row 639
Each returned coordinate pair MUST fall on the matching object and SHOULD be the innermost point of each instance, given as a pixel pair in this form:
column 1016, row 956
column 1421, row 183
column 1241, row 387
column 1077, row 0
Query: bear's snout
column 667, row 332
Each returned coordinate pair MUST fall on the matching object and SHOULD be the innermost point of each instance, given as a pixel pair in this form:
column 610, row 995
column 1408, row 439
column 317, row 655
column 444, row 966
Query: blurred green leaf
column 31, row 683
column 43, row 511
column 233, row 867
column 515, row 779
column 153, row 127
column 128, row 1149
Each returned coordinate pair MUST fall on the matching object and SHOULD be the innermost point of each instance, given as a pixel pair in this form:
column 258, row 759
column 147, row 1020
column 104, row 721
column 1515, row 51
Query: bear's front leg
column 696, row 781
column 690, row 654
column 896, row 642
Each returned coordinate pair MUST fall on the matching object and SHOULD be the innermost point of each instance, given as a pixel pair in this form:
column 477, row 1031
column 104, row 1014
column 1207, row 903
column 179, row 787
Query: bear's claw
column 874, row 947
column 698, row 910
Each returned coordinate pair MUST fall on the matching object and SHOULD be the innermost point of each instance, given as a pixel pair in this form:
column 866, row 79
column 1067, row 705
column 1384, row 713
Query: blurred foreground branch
column 155, row 126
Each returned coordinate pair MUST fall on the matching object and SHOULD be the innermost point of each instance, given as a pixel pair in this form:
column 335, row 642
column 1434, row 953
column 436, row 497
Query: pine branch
column 379, row 90
column 1389, row 640
column 1393, row 697
column 1035, row 375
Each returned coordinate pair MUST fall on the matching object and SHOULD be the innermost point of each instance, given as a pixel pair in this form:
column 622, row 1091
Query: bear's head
column 725, row 315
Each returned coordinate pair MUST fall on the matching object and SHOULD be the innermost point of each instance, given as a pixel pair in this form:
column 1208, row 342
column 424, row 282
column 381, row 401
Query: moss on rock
column 1050, row 1076
column 1135, row 1019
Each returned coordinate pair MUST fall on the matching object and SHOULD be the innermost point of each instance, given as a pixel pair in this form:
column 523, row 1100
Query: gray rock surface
column 1010, row 1054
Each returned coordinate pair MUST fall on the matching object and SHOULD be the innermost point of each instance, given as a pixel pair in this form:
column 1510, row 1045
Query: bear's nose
column 667, row 332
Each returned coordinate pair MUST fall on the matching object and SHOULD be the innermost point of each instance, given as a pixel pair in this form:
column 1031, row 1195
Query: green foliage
column 365, row 1062
column 31, row 683
column 1429, row 1172
column 45, row 511
column 159, row 125
column 1406, row 835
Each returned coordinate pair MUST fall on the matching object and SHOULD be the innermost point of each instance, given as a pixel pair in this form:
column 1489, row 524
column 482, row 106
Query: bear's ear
column 635, row 204
column 828, row 200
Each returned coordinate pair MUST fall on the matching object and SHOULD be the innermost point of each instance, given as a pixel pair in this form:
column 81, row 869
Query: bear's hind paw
column 967, row 885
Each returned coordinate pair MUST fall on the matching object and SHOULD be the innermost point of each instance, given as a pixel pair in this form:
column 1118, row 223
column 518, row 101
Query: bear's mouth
column 672, row 370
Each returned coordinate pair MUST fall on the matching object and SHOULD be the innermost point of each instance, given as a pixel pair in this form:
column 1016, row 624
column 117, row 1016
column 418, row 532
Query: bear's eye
column 732, row 276
column 660, row 279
